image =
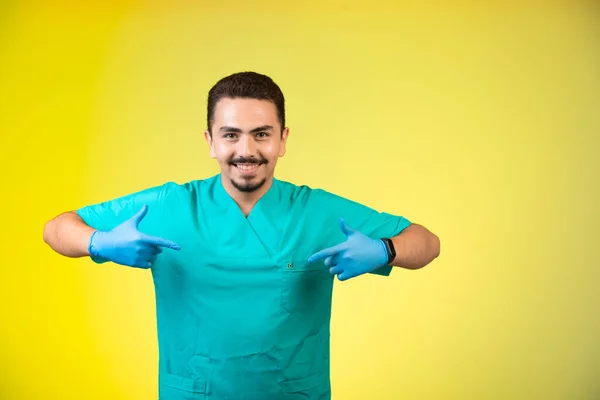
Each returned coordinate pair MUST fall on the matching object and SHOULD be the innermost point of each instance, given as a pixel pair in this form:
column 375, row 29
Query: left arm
column 415, row 247
column 363, row 252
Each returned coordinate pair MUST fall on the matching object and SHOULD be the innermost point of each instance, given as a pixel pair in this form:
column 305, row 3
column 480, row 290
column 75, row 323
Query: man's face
column 246, row 141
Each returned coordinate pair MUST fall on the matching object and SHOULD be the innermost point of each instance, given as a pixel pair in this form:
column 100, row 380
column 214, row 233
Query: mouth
column 247, row 169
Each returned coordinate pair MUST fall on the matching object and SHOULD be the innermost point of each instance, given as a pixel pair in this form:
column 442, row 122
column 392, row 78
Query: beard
column 247, row 186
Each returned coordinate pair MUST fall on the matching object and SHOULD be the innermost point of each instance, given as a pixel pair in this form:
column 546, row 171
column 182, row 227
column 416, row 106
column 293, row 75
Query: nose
column 246, row 146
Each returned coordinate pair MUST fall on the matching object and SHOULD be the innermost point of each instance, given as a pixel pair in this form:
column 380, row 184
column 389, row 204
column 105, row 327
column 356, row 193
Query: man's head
column 246, row 129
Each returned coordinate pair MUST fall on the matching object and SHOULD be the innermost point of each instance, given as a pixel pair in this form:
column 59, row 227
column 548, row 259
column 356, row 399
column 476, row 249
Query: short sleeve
column 108, row 214
column 369, row 221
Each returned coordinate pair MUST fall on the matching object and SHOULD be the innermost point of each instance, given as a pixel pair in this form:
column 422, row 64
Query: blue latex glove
column 126, row 245
column 358, row 255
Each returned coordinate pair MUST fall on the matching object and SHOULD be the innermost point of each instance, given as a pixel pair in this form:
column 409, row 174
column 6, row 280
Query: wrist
column 389, row 250
column 94, row 249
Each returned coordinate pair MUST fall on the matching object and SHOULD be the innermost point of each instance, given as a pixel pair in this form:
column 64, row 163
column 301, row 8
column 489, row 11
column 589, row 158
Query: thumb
column 137, row 218
column 345, row 228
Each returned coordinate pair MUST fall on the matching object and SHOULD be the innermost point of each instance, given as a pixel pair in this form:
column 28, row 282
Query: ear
column 210, row 144
column 283, row 142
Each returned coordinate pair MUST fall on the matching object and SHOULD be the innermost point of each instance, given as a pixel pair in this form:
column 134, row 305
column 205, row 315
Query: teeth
column 247, row 167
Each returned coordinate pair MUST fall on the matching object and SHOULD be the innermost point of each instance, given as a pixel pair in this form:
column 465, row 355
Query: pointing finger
column 158, row 241
column 151, row 248
column 326, row 252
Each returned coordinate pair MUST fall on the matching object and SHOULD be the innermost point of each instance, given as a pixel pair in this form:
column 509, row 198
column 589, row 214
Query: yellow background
column 479, row 122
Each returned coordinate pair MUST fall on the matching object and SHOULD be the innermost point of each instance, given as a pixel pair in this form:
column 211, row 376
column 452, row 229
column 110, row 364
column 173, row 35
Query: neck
column 246, row 200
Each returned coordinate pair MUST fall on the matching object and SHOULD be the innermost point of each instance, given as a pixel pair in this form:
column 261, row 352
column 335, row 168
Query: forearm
column 415, row 247
column 68, row 235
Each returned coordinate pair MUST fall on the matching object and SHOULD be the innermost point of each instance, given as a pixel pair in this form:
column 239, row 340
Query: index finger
column 158, row 241
column 330, row 251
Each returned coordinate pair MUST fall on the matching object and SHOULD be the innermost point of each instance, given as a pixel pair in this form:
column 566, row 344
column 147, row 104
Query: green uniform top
column 241, row 314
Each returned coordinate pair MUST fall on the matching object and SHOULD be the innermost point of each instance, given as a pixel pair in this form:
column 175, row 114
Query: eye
column 229, row 136
column 262, row 135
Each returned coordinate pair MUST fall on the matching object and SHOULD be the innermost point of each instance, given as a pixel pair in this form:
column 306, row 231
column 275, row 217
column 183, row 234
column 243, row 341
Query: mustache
column 246, row 160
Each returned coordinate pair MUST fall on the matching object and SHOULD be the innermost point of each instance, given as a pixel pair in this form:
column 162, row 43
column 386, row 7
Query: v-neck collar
column 264, row 218
column 268, row 199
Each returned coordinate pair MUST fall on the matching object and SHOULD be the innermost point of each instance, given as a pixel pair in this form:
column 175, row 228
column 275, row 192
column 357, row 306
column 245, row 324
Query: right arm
column 68, row 235
column 109, row 231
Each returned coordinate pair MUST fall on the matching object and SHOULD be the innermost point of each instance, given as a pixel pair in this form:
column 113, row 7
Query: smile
column 247, row 168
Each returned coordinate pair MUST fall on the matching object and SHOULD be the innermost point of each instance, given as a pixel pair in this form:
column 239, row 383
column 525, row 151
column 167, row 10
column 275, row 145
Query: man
column 243, row 263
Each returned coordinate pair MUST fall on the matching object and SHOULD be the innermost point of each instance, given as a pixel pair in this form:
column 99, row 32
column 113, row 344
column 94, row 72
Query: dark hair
column 246, row 85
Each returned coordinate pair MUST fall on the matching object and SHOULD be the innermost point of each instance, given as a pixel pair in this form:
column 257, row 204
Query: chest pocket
column 306, row 286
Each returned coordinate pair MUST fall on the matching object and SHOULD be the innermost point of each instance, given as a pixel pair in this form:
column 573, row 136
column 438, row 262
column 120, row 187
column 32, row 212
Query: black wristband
column 391, row 251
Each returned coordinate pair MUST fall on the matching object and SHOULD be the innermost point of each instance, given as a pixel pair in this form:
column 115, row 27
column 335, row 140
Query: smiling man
column 243, row 264
column 248, row 138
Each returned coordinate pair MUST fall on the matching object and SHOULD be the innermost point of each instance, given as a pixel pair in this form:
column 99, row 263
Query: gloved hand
column 125, row 245
column 358, row 255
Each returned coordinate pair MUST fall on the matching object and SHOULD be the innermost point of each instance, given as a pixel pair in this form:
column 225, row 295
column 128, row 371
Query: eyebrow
column 230, row 129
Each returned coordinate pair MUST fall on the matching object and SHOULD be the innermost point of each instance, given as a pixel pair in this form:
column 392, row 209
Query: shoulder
column 319, row 201
column 173, row 188
column 295, row 191
column 306, row 194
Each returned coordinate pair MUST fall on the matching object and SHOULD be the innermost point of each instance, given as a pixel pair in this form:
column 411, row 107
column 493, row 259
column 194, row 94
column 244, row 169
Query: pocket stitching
column 316, row 382
column 288, row 273
column 184, row 384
